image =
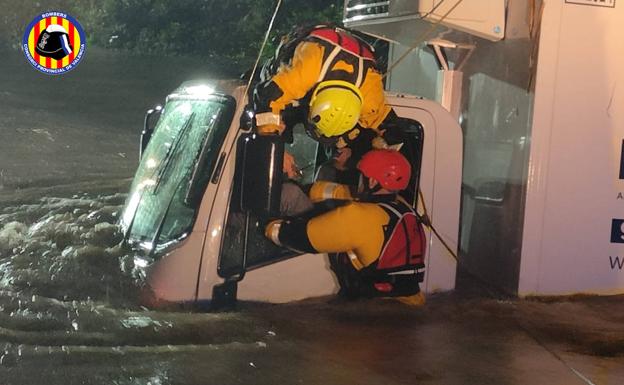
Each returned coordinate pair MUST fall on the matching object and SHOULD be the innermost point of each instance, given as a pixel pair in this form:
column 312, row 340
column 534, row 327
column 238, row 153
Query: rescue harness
column 400, row 267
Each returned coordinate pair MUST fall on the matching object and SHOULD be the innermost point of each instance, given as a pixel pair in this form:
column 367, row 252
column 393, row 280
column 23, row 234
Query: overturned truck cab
column 206, row 184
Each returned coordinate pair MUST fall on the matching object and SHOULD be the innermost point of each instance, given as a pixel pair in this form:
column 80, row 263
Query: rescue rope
column 433, row 9
column 264, row 42
column 427, row 222
column 422, row 37
column 425, row 217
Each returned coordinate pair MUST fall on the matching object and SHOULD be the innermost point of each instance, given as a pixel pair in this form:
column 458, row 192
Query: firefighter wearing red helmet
column 379, row 232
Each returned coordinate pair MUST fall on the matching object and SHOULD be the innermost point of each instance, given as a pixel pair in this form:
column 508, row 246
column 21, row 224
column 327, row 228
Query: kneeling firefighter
column 379, row 233
column 330, row 75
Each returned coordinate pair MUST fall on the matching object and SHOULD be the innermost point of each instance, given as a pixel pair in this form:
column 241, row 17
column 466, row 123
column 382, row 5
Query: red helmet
column 387, row 167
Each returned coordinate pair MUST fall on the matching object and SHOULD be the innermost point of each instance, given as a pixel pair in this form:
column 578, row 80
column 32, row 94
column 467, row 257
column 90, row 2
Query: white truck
column 204, row 181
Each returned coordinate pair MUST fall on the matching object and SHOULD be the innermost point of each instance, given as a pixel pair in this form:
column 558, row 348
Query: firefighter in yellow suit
column 359, row 228
column 333, row 74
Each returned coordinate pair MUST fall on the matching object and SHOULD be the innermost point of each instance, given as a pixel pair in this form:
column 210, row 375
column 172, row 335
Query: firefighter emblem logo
column 54, row 43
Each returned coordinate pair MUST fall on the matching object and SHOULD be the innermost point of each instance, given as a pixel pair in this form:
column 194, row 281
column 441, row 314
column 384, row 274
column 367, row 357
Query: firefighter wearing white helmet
column 333, row 74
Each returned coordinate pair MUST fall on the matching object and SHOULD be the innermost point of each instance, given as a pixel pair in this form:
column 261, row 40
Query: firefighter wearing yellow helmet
column 335, row 107
column 331, row 72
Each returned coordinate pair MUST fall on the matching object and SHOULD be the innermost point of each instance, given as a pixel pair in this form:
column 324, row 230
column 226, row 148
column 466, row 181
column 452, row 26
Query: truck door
column 244, row 246
column 432, row 144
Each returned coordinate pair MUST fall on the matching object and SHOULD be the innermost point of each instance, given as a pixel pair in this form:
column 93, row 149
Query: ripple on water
column 46, row 245
column 66, row 289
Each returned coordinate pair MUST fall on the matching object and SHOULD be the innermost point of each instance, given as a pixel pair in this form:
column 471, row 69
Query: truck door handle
column 217, row 172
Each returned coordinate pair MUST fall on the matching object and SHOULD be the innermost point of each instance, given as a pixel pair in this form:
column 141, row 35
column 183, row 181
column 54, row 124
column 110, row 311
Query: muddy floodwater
column 68, row 295
column 69, row 315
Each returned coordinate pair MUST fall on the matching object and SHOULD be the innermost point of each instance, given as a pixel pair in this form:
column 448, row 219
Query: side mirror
column 259, row 173
column 248, row 120
column 151, row 118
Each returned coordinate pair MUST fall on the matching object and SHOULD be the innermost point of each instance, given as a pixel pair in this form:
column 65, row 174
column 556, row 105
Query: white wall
column 496, row 122
column 578, row 128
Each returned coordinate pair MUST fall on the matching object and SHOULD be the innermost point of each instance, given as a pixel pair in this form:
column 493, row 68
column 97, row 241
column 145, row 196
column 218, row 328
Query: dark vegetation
column 228, row 33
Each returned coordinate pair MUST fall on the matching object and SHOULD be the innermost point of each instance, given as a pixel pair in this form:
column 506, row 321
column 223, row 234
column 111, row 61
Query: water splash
column 65, row 248
column 68, row 289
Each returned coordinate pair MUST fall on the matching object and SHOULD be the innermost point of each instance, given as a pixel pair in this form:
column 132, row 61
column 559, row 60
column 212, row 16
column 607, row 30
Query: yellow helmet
column 335, row 107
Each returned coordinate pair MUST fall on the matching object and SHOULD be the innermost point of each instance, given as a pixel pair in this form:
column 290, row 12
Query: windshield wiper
column 161, row 222
column 170, row 152
column 201, row 155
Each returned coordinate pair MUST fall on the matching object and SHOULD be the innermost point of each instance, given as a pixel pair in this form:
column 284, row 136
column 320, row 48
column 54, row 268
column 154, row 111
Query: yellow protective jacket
column 326, row 54
column 357, row 228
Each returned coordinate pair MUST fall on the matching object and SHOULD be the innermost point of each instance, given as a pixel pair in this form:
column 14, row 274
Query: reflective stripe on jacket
column 326, row 54
column 357, row 228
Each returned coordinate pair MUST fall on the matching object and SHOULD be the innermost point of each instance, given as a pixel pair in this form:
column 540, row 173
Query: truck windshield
column 178, row 160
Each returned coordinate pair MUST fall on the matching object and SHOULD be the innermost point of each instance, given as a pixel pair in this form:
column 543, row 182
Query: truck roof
column 202, row 88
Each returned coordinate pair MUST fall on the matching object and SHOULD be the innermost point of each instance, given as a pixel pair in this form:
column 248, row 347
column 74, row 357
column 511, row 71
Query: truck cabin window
column 178, row 160
column 244, row 234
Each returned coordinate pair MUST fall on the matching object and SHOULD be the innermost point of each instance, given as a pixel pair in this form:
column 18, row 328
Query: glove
column 269, row 123
column 379, row 143
column 272, row 230
column 321, row 191
column 271, row 129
